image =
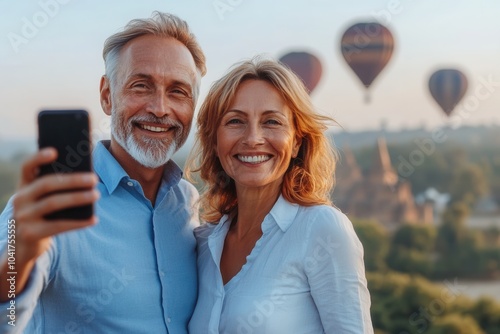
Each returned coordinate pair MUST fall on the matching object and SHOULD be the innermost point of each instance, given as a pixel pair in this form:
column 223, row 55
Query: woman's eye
column 234, row 121
column 272, row 122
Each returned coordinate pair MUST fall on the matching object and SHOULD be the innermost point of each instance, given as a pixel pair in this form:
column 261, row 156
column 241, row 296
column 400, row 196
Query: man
column 135, row 270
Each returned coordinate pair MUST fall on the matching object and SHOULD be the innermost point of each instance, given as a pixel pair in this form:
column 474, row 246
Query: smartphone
column 68, row 131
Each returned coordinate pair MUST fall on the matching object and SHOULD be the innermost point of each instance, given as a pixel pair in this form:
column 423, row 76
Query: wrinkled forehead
column 164, row 57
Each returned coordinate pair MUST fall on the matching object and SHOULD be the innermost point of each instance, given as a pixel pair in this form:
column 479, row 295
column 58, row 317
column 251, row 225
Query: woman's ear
column 297, row 142
column 105, row 95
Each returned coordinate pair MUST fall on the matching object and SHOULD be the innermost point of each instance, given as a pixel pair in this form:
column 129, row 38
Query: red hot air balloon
column 447, row 87
column 306, row 66
column 367, row 48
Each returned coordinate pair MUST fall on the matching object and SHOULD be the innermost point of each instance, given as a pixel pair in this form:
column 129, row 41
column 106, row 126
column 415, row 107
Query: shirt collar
column 112, row 173
column 283, row 214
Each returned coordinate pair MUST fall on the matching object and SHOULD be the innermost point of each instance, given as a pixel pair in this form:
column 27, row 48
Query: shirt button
column 169, row 320
column 162, row 274
column 130, row 184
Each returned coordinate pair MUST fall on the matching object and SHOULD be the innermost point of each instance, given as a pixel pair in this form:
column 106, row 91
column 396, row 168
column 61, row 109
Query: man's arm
column 36, row 198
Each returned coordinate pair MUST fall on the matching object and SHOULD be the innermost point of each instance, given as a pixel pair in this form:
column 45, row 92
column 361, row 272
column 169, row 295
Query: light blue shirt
column 304, row 275
column 133, row 272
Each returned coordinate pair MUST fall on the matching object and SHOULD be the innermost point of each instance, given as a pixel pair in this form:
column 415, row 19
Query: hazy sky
column 59, row 62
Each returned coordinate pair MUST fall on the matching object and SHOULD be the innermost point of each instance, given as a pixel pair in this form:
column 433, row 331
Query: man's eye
column 140, row 86
column 179, row 92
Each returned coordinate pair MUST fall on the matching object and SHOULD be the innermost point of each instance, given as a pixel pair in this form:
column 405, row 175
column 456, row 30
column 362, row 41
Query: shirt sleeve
column 16, row 313
column 335, row 271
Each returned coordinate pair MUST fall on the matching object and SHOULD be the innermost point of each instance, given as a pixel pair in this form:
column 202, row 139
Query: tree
column 375, row 242
column 487, row 314
column 413, row 305
column 456, row 324
column 411, row 249
column 468, row 185
column 417, row 237
column 452, row 229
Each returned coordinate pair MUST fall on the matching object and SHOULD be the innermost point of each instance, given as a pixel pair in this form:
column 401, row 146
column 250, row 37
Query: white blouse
column 304, row 275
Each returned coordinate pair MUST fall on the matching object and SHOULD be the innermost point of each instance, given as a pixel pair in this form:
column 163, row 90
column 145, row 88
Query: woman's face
column 256, row 138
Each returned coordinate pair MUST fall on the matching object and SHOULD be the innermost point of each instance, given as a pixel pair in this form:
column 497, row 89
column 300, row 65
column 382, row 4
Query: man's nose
column 159, row 105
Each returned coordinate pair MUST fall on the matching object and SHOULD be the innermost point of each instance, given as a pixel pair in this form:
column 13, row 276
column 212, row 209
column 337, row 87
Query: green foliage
column 468, row 185
column 412, row 304
column 449, row 251
column 404, row 304
column 487, row 314
column 375, row 240
column 411, row 249
column 452, row 230
column 410, row 261
column 444, row 164
column 417, row 237
column 495, row 190
column 458, row 245
column 456, row 324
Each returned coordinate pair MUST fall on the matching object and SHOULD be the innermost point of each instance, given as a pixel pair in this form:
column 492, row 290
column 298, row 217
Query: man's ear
column 105, row 93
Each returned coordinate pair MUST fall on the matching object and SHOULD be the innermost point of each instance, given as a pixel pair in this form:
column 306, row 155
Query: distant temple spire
column 379, row 194
column 381, row 165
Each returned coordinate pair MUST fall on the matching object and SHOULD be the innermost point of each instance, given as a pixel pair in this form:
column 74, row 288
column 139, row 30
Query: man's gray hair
column 161, row 25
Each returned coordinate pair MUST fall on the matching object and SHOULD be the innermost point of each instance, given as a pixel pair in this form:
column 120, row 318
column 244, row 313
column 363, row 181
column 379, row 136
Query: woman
column 276, row 257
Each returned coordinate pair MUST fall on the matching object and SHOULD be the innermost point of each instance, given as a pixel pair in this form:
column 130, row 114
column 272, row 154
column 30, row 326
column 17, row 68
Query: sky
column 51, row 54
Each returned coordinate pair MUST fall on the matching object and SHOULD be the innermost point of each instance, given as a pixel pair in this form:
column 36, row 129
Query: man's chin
column 149, row 160
column 142, row 151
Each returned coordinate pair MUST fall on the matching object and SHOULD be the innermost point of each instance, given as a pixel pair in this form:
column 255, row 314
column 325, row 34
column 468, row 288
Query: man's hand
column 36, row 198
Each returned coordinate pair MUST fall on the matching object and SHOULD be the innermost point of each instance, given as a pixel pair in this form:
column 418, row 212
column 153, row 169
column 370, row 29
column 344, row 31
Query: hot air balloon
column 367, row 48
column 306, row 66
column 447, row 87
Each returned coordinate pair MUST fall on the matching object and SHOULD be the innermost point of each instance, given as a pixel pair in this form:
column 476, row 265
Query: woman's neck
column 253, row 206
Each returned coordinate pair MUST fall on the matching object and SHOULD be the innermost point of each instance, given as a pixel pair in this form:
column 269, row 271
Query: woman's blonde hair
column 309, row 177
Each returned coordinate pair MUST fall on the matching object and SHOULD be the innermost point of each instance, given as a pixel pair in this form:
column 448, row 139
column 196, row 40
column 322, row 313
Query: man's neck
column 148, row 178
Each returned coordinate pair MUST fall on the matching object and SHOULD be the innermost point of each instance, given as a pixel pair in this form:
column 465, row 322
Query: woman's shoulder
column 327, row 225
column 319, row 220
column 323, row 215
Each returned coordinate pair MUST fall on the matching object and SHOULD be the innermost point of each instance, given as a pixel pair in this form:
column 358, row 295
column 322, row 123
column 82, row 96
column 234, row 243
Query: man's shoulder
column 188, row 188
column 203, row 231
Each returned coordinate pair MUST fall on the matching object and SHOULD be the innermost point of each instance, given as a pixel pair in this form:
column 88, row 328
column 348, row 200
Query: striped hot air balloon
column 306, row 66
column 448, row 87
column 367, row 48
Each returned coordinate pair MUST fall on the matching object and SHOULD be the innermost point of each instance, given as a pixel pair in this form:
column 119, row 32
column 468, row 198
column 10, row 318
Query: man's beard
column 149, row 152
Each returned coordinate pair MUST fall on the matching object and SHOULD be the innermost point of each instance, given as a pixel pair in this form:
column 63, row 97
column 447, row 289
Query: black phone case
column 69, row 132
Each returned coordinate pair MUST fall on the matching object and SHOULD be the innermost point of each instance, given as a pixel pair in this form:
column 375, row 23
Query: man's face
column 151, row 100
